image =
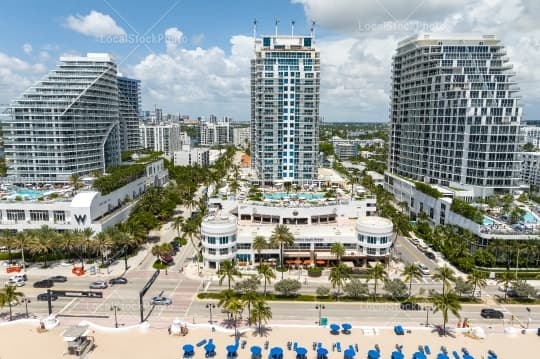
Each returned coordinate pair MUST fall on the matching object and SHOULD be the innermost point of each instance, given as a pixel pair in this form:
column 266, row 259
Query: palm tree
column 281, row 236
column 477, row 279
column 227, row 270
column 261, row 312
column 411, row 272
column 7, row 240
column 259, row 243
column 250, row 297
column 75, row 181
column 377, row 273
column 9, row 295
column 338, row 249
column 338, row 275
column 177, row 224
column 505, row 278
column 225, row 297
column 22, row 240
column 267, row 273
column 444, row 303
column 235, row 306
column 104, row 242
column 446, row 275
column 43, row 242
column 156, row 251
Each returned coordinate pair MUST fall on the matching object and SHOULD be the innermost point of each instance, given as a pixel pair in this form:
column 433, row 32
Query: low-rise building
column 192, row 156
column 69, row 210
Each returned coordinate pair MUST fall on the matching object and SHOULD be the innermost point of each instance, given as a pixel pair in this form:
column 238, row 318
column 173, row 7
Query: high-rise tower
column 454, row 115
column 65, row 124
column 129, row 102
column 285, row 88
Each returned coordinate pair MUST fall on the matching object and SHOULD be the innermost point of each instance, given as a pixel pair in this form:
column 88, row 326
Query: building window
column 371, row 240
column 360, row 238
column 211, row 240
column 223, row 240
column 243, row 246
column 39, row 216
column 211, row 251
column 224, row 251
column 372, row 251
column 384, row 240
column 382, row 251
column 59, row 216
column 15, row 214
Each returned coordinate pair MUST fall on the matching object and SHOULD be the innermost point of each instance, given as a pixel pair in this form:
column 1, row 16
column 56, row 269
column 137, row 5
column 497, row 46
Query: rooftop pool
column 487, row 221
column 292, row 195
column 26, row 194
column 530, row 218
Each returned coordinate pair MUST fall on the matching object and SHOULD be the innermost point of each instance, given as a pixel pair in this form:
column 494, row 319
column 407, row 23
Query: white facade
column 531, row 134
column 65, row 124
column 85, row 209
column 315, row 229
column 241, row 136
column 285, row 95
column 450, row 124
column 530, row 171
column 192, row 156
column 215, row 133
column 164, row 137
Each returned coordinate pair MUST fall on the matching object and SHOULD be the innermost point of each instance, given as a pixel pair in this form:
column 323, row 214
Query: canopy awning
column 297, row 254
column 74, row 332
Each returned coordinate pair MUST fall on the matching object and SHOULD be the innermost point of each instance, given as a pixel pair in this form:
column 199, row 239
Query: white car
column 17, row 282
column 423, row 269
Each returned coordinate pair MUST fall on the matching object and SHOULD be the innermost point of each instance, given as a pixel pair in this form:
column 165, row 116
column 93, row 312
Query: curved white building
column 374, row 235
column 218, row 236
column 315, row 228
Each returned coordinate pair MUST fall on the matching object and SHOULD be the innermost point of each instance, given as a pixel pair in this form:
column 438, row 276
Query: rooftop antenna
column 254, row 28
column 277, row 22
column 292, row 28
column 312, row 30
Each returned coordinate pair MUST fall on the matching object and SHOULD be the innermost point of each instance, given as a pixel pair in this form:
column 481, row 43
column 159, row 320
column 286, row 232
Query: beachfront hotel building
column 67, row 123
column 129, row 106
column 455, row 115
column 63, row 209
column 228, row 235
column 285, row 89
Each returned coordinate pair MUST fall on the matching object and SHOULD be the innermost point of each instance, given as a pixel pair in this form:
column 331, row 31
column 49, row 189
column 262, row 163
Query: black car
column 46, row 283
column 118, row 280
column 45, row 297
column 410, row 306
column 58, row 279
column 491, row 313
column 430, row 255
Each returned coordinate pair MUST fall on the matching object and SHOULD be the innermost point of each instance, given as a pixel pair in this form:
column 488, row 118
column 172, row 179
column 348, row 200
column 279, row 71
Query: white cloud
column 198, row 81
column 27, row 48
column 173, row 37
column 94, row 24
column 197, row 39
column 16, row 76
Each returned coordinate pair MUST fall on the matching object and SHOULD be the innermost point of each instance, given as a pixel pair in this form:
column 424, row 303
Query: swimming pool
column 487, row 221
column 299, row 195
column 28, row 194
column 530, row 218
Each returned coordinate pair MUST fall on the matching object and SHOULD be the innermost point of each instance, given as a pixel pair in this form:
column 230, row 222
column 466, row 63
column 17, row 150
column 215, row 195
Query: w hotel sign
column 80, row 219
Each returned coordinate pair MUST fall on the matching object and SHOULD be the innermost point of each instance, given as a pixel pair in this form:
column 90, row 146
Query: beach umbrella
column 442, row 356
column 276, row 352
column 255, row 350
column 397, row 355
column 301, row 351
column 373, row 354
column 210, row 347
column 346, row 327
column 349, row 353
column 334, row 327
column 322, row 351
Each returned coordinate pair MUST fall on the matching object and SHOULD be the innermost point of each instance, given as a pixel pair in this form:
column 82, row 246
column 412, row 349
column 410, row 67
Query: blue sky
column 195, row 57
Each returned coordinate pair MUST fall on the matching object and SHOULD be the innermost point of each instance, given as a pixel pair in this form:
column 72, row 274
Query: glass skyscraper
column 455, row 117
column 285, row 90
column 129, row 102
column 68, row 123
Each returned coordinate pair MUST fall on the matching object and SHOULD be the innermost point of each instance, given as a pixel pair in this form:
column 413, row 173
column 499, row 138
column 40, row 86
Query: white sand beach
column 23, row 341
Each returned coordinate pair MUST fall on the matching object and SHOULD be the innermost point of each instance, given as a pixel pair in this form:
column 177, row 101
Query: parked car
column 430, row 255
column 410, row 306
column 98, row 284
column 58, row 279
column 46, row 283
column 423, row 269
column 118, row 280
column 167, row 259
column 45, row 297
column 17, row 282
column 159, row 300
column 489, row 313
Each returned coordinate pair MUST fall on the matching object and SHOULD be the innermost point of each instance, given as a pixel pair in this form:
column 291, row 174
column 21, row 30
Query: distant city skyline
column 193, row 57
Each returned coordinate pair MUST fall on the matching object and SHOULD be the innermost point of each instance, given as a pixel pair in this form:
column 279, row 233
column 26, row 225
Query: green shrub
column 466, row 210
column 118, row 177
column 159, row 265
column 315, row 272
column 282, row 269
column 427, row 189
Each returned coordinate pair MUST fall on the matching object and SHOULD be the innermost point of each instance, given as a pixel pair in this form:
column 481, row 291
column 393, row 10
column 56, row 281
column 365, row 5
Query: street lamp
column 320, row 307
column 26, row 301
column 427, row 309
column 210, row 307
column 115, row 308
